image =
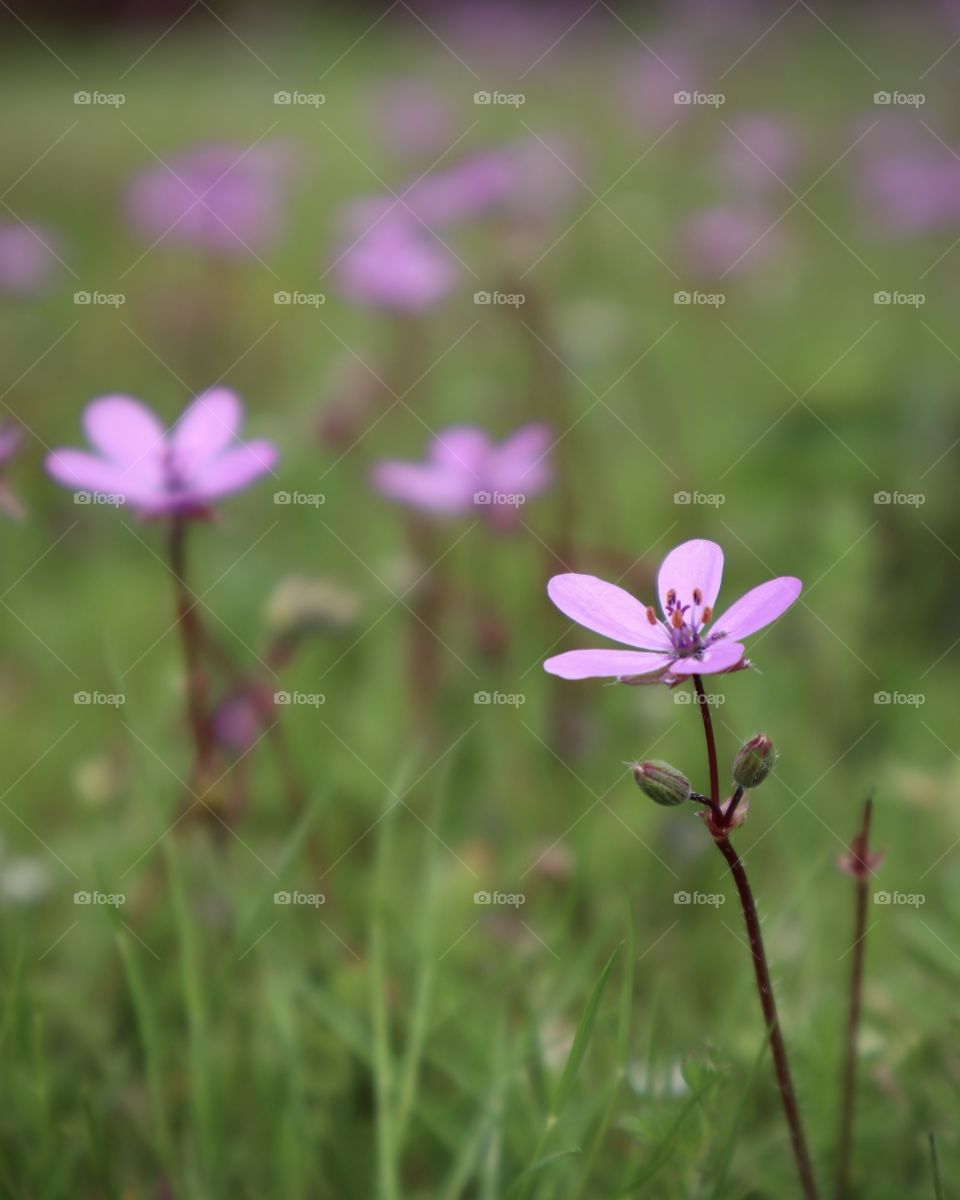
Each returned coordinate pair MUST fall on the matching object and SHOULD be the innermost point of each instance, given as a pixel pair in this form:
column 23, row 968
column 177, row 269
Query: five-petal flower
column 157, row 471
column 688, row 640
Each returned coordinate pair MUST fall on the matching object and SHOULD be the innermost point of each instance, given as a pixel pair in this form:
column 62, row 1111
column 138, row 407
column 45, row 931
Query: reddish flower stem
column 761, row 969
column 192, row 640
column 860, row 852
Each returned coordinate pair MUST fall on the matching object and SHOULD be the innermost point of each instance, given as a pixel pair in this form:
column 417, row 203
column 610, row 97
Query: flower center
column 685, row 623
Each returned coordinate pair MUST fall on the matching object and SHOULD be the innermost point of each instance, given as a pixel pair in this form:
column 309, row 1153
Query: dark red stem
column 192, row 640
column 860, row 852
column 761, row 969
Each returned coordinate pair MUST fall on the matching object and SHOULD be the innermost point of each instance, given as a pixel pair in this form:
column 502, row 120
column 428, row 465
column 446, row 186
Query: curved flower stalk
column 177, row 476
column 686, row 641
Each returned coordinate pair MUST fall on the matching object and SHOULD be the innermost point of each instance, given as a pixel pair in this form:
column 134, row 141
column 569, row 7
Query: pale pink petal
column 607, row 609
column 124, row 430
column 423, row 486
column 86, row 472
column 461, row 448
column 693, row 564
column 758, row 607
column 599, row 664
column 721, row 656
column 207, row 427
column 234, row 469
column 521, row 464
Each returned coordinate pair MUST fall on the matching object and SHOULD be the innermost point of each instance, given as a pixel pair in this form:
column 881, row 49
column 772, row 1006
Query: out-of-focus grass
column 400, row 1040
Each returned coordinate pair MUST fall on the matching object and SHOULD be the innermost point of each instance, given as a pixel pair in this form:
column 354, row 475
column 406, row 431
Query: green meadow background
column 401, row 1040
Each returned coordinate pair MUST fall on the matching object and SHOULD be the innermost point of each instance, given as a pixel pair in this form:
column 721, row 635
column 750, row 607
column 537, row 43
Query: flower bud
column 754, row 761
column 662, row 783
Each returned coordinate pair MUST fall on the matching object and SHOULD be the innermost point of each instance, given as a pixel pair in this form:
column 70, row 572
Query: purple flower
column 157, row 471
column 912, row 191
column 467, row 472
column 27, row 259
column 396, row 267
column 679, row 645
column 222, row 197
column 414, row 118
column 760, row 151
column 728, row 239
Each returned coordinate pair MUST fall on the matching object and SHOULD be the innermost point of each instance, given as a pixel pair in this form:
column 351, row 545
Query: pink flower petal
column 124, row 430
column 607, row 609
column 463, row 449
column 520, row 464
column 234, row 469
column 594, row 664
column 86, row 472
column 207, row 427
column 694, row 564
column 427, row 487
column 721, row 656
column 758, row 607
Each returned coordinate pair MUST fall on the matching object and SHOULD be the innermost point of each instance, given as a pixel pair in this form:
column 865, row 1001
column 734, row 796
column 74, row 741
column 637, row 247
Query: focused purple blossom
column 222, row 197
column 160, row 472
column 687, row 640
column 28, row 259
column 398, row 268
column 465, row 471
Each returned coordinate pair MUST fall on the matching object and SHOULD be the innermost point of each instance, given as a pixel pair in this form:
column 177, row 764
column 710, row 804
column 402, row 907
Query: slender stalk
column 192, row 641
column 711, row 741
column 859, row 860
column 768, row 1004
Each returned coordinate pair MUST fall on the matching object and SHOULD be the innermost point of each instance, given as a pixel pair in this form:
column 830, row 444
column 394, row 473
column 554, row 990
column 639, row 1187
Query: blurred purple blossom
column 397, row 267
column 466, row 472
column 161, row 472
column 28, row 259
column 222, row 197
column 730, row 238
column 413, row 119
column 909, row 191
column 759, row 152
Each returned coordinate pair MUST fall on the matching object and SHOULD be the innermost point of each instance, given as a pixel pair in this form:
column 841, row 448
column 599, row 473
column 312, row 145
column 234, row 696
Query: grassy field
column 397, row 1038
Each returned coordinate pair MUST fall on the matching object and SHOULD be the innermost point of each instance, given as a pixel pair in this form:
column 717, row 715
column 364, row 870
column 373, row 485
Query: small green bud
column 662, row 783
column 754, row 762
